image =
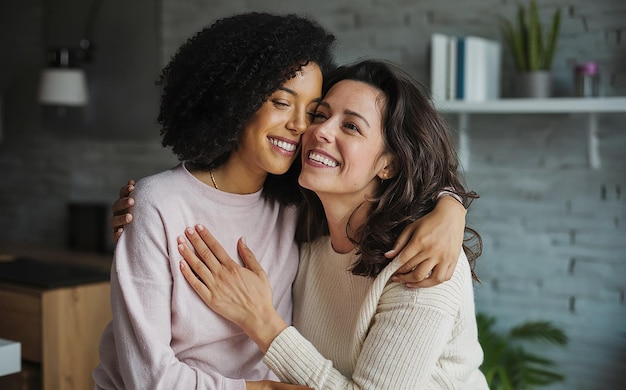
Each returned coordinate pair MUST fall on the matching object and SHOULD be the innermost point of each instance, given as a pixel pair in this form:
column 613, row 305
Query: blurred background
column 553, row 225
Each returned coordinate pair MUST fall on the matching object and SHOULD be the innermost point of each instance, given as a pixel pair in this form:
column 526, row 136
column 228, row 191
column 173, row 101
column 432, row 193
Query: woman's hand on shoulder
column 121, row 210
column 430, row 246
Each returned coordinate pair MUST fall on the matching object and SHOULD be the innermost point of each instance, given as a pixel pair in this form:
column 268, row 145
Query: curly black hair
column 223, row 74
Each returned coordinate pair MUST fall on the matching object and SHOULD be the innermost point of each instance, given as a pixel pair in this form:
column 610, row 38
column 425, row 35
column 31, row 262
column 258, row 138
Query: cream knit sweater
column 366, row 333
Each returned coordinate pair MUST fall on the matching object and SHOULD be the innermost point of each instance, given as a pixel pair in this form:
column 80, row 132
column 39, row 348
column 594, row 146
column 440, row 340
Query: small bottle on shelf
column 587, row 78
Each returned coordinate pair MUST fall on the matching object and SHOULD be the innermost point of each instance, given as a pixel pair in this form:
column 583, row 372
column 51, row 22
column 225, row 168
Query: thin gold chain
column 213, row 179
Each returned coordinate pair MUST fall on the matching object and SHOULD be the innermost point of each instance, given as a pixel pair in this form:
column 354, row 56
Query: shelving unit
column 590, row 107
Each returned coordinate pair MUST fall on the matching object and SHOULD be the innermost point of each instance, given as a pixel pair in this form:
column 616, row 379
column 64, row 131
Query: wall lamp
column 62, row 82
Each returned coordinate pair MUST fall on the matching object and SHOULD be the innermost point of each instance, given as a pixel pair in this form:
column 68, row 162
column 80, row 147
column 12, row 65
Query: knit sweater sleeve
column 141, row 299
column 405, row 334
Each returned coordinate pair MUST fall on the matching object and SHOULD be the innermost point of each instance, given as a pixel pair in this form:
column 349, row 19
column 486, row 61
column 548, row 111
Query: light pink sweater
column 162, row 335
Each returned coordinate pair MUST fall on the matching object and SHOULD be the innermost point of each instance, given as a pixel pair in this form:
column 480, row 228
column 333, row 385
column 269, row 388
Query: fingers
column 249, row 260
column 116, row 234
column 121, row 210
column 427, row 273
column 121, row 216
column 198, row 265
column 208, row 242
column 416, row 273
column 122, row 205
column 440, row 274
column 202, row 251
column 402, row 240
column 118, row 221
column 413, row 262
column 195, row 281
column 127, row 189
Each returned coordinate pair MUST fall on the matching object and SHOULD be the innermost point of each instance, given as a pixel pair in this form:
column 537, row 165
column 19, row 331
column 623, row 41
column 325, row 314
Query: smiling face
column 271, row 138
column 343, row 149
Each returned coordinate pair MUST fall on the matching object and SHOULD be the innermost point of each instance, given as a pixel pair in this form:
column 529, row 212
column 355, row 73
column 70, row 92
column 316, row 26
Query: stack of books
column 464, row 68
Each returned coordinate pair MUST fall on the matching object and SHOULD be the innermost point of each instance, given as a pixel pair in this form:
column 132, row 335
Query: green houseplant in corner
column 508, row 364
column 533, row 48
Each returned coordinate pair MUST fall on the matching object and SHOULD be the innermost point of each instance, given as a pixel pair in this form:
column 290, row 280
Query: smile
column 322, row 159
column 286, row 146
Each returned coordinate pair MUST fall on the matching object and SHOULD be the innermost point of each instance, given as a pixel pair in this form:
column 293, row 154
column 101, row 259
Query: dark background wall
column 553, row 227
column 48, row 158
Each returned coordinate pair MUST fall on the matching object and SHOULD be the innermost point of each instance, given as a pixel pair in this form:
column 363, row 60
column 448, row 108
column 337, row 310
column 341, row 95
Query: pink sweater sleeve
column 141, row 291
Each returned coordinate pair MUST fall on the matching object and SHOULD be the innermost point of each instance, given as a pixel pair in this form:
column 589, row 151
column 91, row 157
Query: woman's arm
column 424, row 247
column 428, row 247
column 272, row 385
column 400, row 350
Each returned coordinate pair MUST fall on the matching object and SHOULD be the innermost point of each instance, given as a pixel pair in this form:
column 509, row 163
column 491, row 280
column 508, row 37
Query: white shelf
column 591, row 107
column 539, row 106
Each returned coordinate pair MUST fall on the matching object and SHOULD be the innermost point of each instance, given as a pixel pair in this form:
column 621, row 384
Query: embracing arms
column 425, row 247
column 400, row 349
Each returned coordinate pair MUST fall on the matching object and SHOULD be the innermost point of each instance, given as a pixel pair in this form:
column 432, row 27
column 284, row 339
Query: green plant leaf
column 540, row 331
column 553, row 37
column 538, row 376
column 505, row 382
column 534, row 37
column 512, row 41
column 508, row 363
column 532, row 47
column 530, row 359
column 522, row 36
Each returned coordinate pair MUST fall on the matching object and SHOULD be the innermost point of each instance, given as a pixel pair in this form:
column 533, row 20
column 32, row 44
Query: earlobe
column 389, row 171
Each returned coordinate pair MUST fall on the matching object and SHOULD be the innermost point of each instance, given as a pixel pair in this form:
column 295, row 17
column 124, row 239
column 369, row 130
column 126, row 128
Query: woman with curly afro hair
column 236, row 99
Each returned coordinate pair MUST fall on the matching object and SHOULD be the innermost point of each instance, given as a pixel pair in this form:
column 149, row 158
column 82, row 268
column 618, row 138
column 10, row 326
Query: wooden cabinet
column 59, row 329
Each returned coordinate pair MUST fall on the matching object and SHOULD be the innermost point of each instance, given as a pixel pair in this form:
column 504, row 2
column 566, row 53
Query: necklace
column 213, row 178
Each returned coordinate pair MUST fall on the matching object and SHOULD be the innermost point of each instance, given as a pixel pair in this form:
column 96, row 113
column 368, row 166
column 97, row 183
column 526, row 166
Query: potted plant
column 533, row 48
column 508, row 364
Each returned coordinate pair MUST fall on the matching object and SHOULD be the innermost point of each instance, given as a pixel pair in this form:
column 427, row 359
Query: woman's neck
column 230, row 177
column 344, row 221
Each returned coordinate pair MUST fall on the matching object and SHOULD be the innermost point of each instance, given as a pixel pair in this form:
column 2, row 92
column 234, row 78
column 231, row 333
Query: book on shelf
column 465, row 68
column 451, row 64
column 438, row 66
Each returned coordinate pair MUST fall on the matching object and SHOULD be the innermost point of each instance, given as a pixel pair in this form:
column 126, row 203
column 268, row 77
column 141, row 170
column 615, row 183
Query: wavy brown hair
column 427, row 163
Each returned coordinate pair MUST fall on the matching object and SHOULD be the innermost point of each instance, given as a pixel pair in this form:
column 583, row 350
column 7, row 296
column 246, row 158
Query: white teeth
column 283, row 145
column 322, row 159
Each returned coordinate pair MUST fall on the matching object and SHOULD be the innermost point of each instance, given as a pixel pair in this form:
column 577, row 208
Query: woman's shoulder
column 448, row 296
column 160, row 185
column 162, row 179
